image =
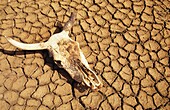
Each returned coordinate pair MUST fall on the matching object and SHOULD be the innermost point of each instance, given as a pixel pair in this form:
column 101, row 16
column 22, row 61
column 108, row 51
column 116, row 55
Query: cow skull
column 67, row 53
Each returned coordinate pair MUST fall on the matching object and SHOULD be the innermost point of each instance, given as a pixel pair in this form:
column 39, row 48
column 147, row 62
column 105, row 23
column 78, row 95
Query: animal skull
column 66, row 52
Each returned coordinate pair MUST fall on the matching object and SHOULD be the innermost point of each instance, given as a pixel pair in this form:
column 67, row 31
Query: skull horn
column 23, row 46
column 68, row 25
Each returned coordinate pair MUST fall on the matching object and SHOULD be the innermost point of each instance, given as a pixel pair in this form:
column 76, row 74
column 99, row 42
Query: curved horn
column 23, row 46
column 70, row 22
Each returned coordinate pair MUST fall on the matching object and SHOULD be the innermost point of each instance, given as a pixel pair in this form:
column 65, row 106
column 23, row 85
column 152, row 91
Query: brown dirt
column 127, row 42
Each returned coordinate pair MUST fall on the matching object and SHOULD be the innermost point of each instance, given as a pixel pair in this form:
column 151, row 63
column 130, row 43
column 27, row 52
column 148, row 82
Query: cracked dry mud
column 127, row 42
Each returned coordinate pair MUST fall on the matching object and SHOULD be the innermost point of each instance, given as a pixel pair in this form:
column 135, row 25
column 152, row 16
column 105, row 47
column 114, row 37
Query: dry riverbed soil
column 126, row 42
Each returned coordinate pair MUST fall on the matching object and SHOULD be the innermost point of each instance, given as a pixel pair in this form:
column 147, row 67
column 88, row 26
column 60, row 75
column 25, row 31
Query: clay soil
column 126, row 42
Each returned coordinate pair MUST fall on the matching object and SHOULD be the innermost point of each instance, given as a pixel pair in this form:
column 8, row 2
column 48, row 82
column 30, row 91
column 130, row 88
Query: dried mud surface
column 127, row 42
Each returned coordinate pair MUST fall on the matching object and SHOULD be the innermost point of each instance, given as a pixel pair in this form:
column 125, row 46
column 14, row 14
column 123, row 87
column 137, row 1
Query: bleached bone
column 67, row 53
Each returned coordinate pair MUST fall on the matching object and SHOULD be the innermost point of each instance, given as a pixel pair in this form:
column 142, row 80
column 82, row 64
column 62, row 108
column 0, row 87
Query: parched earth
column 127, row 43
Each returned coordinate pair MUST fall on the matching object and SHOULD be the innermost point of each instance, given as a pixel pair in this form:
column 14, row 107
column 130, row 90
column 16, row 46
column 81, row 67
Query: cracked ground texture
column 127, row 43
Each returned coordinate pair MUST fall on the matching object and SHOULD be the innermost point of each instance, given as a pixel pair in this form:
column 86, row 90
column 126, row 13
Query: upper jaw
column 82, row 73
column 89, row 77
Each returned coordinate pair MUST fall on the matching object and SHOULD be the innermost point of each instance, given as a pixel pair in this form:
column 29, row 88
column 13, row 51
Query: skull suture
column 68, row 53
